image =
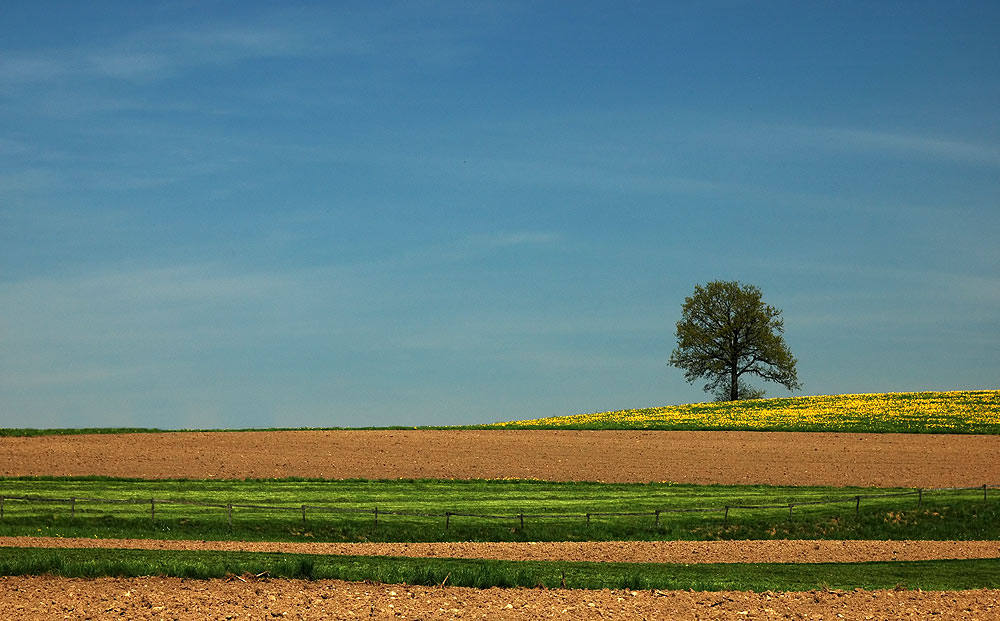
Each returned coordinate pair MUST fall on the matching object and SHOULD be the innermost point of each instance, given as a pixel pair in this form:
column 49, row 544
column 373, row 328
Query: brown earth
column 768, row 551
column 45, row 597
column 886, row 460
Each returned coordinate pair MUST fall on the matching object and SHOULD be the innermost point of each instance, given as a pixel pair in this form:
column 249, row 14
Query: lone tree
column 726, row 332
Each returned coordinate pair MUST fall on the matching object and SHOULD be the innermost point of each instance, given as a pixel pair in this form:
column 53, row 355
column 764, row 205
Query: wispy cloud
column 136, row 58
column 129, row 65
column 186, row 283
column 890, row 299
column 905, row 144
column 26, row 180
column 38, row 67
column 520, row 238
column 160, row 52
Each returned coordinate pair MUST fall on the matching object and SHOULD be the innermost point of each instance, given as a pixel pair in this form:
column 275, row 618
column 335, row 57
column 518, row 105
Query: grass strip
column 926, row 575
column 553, row 511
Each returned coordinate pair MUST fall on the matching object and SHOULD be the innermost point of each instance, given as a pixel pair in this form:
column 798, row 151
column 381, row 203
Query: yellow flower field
column 973, row 411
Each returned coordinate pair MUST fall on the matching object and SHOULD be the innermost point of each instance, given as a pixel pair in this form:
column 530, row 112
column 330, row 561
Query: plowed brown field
column 693, row 457
column 765, row 551
column 45, row 597
column 887, row 460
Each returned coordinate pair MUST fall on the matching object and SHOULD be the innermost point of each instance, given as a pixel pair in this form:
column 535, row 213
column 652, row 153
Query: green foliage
column 92, row 563
column 726, row 332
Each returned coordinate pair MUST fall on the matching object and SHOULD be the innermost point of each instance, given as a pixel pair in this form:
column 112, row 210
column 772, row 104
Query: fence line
column 447, row 515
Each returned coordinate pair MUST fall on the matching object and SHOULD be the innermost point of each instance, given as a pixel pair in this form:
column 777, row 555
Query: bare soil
column 45, row 597
column 838, row 459
column 767, row 551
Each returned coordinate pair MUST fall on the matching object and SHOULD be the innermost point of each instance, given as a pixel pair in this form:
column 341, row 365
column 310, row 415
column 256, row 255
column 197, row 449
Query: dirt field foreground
column 44, row 597
column 885, row 460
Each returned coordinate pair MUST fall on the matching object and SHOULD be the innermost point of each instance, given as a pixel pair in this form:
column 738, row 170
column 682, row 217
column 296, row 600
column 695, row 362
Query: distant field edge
column 946, row 575
column 928, row 412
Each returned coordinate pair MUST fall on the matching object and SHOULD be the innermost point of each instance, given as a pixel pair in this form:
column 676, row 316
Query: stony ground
column 692, row 457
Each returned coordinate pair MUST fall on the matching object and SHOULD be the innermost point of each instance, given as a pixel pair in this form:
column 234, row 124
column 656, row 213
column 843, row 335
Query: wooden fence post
column 229, row 507
column 725, row 518
column 790, row 511
column 1, row 506
column 72, row 507
column 376, row 518
column 522, row 522
column 657, row 517
column 857, row 506
column 447, row 519
column 152, row 510
column 303, row 515
column 588, row 519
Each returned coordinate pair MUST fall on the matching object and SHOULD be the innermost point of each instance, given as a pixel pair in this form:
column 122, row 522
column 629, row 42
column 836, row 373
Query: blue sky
column 252, row 214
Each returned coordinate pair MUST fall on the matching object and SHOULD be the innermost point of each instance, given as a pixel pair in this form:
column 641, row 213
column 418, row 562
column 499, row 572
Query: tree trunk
column 734, row 385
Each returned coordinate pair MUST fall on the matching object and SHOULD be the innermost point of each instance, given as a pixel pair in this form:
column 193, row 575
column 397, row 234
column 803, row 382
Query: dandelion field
column 970, row 411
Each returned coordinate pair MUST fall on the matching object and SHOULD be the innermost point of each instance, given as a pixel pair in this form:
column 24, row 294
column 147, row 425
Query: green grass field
column 554, row 511
column 927, row 575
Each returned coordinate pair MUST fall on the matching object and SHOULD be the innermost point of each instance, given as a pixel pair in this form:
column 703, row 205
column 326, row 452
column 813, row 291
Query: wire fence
column 519, row 517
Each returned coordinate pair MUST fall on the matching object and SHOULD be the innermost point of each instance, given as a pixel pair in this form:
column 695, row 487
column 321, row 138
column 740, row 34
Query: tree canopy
column 727, row 332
